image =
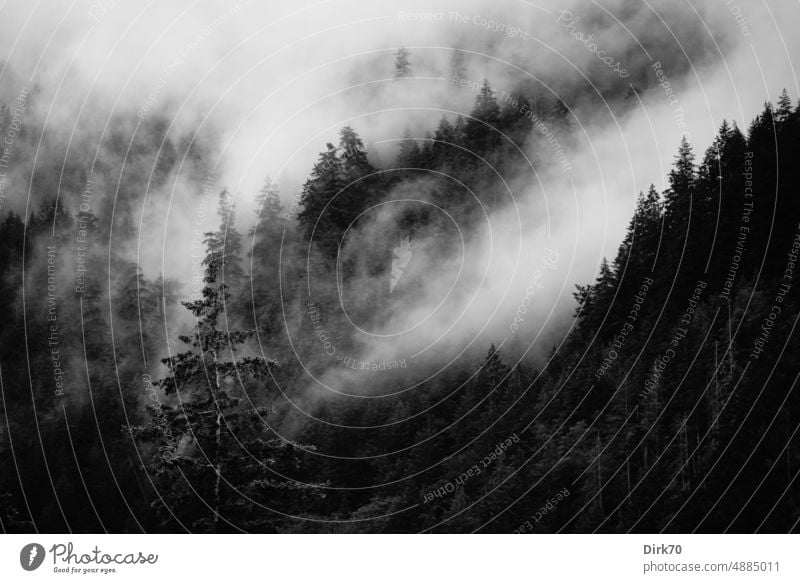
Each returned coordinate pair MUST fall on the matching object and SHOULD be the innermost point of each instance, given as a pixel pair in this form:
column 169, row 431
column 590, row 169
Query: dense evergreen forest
column 131, row 404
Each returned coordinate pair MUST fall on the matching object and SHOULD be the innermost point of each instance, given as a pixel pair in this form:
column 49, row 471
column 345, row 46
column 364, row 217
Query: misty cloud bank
column 241, row 93
column 128, row 121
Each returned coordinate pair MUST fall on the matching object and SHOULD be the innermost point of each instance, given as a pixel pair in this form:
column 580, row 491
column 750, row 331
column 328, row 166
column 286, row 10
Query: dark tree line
column 662, row 416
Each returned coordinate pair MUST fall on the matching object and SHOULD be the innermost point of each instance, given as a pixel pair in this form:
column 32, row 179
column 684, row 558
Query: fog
column 246, row 90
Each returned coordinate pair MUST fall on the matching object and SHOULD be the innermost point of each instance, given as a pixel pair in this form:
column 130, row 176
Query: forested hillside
column 134, row 403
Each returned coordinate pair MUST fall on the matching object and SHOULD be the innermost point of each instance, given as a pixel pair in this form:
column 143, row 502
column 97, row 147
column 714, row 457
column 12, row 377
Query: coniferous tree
column 353, row 156
column 218, row 466
column 340, row 187
column 720, row 180
column 409, row 153
column 480, row 129
column 684, row 211
column 267, row 237
column 269, row 211
column 402, row 66
column 442, row 150
column 637, row 254
column 326, row 182
column 784, row 109
column 516, row 118
column 228, row 243
column 682, row 179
